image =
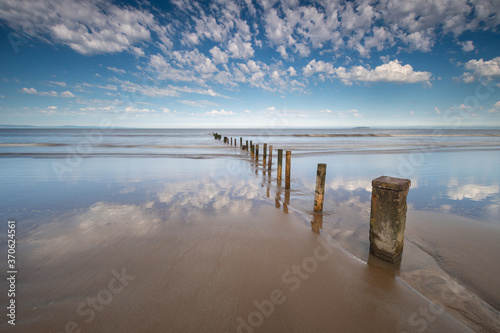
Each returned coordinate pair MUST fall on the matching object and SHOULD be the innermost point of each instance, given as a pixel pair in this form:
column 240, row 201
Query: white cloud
column 496, row 108
column 31, row 91
column 60, row 84
column 116, row 70
column 239, row 49
column 166, row 71
column 314, row 67
column 130, row 109
column 467, row 46
column 190, row 39
column 392, row 71
column 218, row 56
column 49, row 110
column 220, row 112
column 481, row 69
column 67, row 94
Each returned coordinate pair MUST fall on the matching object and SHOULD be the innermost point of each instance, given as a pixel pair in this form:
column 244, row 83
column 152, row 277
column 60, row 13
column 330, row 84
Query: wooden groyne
column 388, row 205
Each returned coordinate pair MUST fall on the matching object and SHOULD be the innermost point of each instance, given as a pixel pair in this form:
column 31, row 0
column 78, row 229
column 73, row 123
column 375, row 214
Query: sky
column 246, row 63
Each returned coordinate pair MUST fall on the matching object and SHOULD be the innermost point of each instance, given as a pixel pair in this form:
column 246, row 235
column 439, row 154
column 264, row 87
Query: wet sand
column 449, row 259
column 137, row 268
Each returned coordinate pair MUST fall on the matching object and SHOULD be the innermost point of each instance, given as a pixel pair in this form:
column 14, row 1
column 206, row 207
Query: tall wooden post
column 264, row 155
column 280, row 163
column 270, row 157
column 256, row 152
column 320, row 187
column 287, row 168
column 388, row 217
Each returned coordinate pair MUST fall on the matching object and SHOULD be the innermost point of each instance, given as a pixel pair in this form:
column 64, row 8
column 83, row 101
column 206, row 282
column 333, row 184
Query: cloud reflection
column 471, row 191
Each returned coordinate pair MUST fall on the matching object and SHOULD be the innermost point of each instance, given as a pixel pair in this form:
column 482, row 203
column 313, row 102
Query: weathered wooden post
column 270, row 157
column 280, row 162
column 264, row 155
column 388, row 217
column 256, row 152
column 287, row 168
column 241, row 142
column 320, row 187
column 247, row 146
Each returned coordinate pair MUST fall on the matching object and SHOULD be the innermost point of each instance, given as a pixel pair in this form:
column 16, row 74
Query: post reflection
column 317, row 222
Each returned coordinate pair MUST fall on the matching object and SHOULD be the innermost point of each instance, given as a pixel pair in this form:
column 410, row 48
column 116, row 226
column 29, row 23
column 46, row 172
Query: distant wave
column 384, row 135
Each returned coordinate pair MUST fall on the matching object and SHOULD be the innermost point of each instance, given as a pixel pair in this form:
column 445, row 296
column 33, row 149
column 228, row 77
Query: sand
column 449, row 259
column 246, row 268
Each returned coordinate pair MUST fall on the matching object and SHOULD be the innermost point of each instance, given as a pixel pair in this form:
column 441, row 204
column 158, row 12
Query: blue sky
column 247, row 63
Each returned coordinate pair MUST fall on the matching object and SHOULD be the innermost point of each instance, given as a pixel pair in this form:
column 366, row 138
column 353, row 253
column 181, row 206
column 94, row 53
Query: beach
column 171, row 230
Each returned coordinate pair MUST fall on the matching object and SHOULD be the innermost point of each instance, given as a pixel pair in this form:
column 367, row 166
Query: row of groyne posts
column 388, row 202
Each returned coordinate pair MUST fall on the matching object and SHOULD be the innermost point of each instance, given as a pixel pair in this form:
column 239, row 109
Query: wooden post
column 287, row 168
column 280, row 162
column 256, row 152
column 320, row 187
column 241, row 142
column 251, row 148
column 247, row 146
column 270, row 157
column 388, row 217
column 264, row 155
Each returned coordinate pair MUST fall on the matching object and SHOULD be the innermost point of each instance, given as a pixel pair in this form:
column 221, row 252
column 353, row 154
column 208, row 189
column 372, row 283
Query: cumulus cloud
column 67, row 94
column 31, row 91
column 392, row 71
column 218, row 56
column 320, row 66
column 481, row 69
